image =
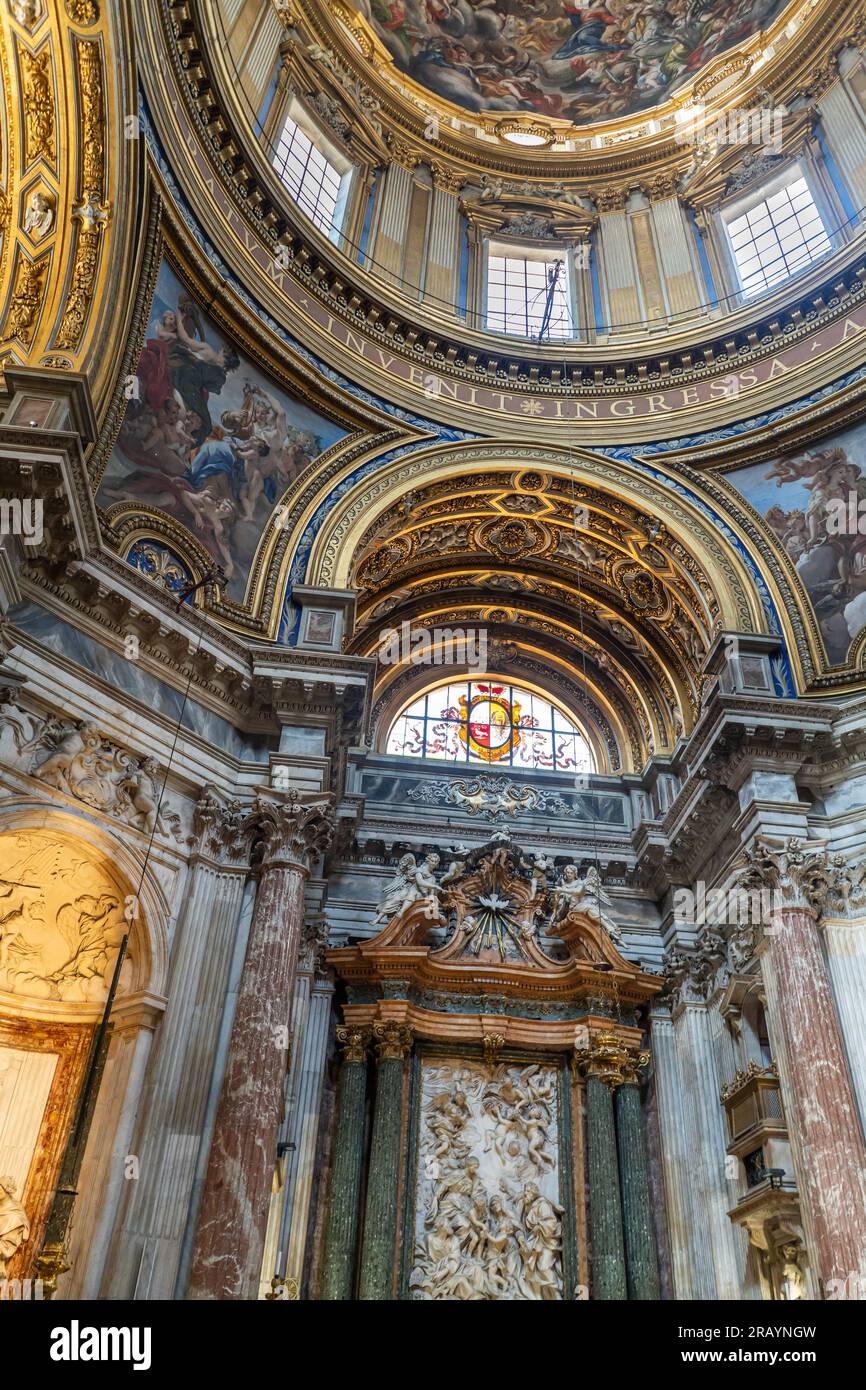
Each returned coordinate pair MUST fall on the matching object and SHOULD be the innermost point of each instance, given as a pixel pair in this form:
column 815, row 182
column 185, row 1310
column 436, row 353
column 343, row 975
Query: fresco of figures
column 815, row 503
column 488, row 1222
column 205, row 437
column 555, row 58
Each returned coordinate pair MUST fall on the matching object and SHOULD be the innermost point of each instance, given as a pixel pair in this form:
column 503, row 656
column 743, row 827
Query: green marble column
column 641, row 1259
column 605, row 1213
column 341, row 1234
column 393, row 1041
column 600, row 1065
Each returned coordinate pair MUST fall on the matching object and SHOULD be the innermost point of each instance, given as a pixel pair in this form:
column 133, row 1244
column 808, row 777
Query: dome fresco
column 576, row 62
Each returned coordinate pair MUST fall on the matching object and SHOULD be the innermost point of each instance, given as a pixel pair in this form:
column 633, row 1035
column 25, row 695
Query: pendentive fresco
column 206, row 438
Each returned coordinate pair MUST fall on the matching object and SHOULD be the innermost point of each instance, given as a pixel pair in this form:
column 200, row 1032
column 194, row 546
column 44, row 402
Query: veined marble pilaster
column 233, row 1218
column 723, row 1248
column 692, row 1278
column 148, row 1238
column 845, row 947
column 822, row 1113
column 305, row 1129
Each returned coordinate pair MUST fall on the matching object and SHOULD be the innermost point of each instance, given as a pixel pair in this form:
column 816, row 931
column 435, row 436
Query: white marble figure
column 576, row 894
column 14, row 1224
column 39, row 217
column 413, row 883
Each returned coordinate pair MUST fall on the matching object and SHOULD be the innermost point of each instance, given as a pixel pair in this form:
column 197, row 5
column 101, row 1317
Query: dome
column 575, row 62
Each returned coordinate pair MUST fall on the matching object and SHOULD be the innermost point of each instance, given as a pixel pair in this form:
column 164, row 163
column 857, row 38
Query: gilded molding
column 354, row 1042
column 37, row 89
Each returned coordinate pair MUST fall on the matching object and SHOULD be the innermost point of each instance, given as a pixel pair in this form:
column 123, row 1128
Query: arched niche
column 66, row 888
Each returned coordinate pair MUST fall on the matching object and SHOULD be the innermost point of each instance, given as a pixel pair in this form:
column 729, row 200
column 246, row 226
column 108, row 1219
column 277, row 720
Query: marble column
column 393, row 1042
column 821, row 1107
column 601, row 1066
column 344, row 1191
column 145, row 1252
column 233, row 1217
column 641, row 1257
column 845, row 947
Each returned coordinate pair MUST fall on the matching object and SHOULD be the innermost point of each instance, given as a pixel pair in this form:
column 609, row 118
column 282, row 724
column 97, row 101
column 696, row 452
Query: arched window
column 490, row 722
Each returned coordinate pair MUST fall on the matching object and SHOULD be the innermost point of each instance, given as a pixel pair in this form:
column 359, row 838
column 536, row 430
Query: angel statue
column 576, row 894
column 413, row 883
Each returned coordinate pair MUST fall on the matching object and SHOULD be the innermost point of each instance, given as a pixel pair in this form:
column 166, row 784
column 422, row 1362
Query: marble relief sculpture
column 61, row 920
column 14, row 1223
column 488, row 1217
column 77, row 759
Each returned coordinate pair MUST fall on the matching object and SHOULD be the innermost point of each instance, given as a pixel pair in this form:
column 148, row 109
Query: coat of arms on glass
column 206, row 437
column 489, row 722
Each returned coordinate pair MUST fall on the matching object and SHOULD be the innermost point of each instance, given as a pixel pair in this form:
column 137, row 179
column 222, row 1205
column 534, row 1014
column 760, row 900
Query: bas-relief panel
column 582, row 63
column 25, row 1085
column 488, row 1219
column 206, row 437
column 812, row 503
column 61, row 920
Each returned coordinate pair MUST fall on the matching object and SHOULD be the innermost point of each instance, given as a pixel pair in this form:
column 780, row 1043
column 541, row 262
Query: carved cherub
column 82, row 739
column 142, row 786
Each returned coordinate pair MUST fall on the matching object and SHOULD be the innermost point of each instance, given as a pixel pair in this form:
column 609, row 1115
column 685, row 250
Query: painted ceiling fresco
column 815, row 503
column 206, row 437
column 579, row 62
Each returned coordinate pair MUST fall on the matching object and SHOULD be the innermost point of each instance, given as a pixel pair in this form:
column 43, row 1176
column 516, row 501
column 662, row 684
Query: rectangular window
column 311, row 179
column 776, row 237
column 528, row 297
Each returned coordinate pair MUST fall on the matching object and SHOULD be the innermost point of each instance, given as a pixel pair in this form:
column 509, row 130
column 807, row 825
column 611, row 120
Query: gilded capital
column 607, row 1059
column 354, row 1041
column 392, row 1041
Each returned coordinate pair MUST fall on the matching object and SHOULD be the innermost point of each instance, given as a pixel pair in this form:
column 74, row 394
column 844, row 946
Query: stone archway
column 63, row 915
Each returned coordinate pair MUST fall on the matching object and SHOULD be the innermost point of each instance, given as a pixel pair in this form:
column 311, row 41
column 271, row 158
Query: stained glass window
column 489, row 721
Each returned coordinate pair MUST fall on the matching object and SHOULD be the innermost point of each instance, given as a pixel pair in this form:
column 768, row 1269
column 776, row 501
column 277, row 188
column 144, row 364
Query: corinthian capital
column 392, row 1041
column 794, row 874
column 220, row 828
column 355, row 1042
column 292, row 827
